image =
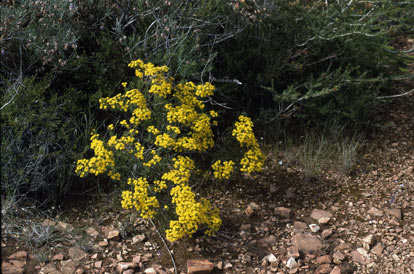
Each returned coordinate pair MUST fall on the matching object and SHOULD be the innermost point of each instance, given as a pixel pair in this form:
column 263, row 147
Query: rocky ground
column 278, row 222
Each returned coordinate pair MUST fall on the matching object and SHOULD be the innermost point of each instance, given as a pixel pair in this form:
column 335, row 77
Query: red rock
column 293, row 251
column 322, row 216
column 20, row 255
column 113, row 235
column 8, row 268
column 18, row 263
column 103, row 243
column 58, row 257
column 299, row 226
column 199, row 267
column 306, row 242
column 360, row 258
column 98, row 264
column 249, row 211
column 268, row 241
column 395, row 212
column 377, row 249
column 338, row 257
column 326, row 233
column 323, row 268
column 77, row 254
column 326, row 259
column 343, row 246
column 336, row 270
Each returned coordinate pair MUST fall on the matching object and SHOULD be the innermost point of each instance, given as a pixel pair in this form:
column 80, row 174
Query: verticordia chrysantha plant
column 166, row 126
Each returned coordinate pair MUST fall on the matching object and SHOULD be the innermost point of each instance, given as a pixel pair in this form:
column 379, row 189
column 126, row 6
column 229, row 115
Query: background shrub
column 302, row 60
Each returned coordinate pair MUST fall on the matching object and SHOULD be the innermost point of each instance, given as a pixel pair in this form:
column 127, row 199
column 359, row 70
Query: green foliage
column 299, row 59
column 315, row 59
column 40, row 139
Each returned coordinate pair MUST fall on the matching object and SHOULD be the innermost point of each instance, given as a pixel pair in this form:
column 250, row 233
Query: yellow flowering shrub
column 164, row 124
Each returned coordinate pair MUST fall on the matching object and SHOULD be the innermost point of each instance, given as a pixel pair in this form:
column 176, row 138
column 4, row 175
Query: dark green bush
column 315, row 59
column 59, row 57
column 298, row 59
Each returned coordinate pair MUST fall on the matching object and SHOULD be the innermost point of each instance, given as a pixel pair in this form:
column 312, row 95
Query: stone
column 152, row 271
column 63, row 227
column 199, row 267
column 68, row 267
column 113, row 235
column 58, row 257
column 8, row 268
column 91, row 231
column 326, row 233
column 323, row 268
column 338, row 257
column 336, row 270
column 98, row 264
column 19, row 255
column 377, row 249
column 138, row 238
column 299, row 226
column 219, row 265
column 268, row 241
column 363, row 251
column 227, row 265
column 18, row 263
column 136, row 260
column 306, row 242
column 76, row 254
column 359, row 258
column 343, row 246
column 320, row 215
column 374, row 211
column 274, row 262
column 394, row 212
column 368, row 241
column 254, row 206
column 103, row 243
column 249, row 211
column 325, row 259
column 131, row 271
column 395, row 257
column 291, row 263
column 50, row 268
column 293, row 251
column 314, row 228
column 283, row 212
column 121, row 267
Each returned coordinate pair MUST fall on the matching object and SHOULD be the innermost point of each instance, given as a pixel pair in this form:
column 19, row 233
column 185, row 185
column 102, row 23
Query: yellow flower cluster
column 187, row 128
column 205, row 90
column 253, row 160
column 139, row 199
column 121, row 143
column 191, row 214
column 99, row 163
column 131, row 99
column 155, row 159
column 223, row 170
